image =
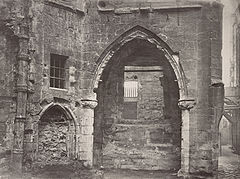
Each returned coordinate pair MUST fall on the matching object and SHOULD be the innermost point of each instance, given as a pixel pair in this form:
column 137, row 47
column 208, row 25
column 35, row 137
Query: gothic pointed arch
column 139, row 32
column 56, row 136
column 69, row 114
column 139, row 82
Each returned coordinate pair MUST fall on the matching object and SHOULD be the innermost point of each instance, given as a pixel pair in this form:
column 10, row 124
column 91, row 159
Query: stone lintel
column 143, row 68
column 186, row 104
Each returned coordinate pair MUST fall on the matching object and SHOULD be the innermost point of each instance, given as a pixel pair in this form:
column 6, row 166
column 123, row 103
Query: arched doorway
column 228, row 158
column 56, row 137
column 225, row 133
column 137, row 120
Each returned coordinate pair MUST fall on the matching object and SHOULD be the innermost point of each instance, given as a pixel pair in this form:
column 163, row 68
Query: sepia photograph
column 119, row 89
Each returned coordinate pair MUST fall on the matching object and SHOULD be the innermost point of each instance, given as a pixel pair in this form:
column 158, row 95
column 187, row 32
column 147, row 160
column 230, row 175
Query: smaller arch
column 227, row 116
column 66, row 111
column 231, row 106
column 58, row 121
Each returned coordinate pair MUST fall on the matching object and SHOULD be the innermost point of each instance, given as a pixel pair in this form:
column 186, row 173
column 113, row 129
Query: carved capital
column 23, row 57
column 186, row 104
column 89, row 103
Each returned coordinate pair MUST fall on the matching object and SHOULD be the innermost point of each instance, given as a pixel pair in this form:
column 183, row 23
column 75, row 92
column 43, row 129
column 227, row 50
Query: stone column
column 185, row 105
column 85, row 140
column 22, row 92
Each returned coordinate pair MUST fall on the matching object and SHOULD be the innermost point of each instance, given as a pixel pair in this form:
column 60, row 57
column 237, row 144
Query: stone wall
column 84, row 39
column 8, row 71
column 192, row 31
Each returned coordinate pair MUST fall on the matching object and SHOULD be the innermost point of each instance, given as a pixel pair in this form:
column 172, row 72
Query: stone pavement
column 96, row 174
column 229, row 168
column 131, row 174
column 229, row 164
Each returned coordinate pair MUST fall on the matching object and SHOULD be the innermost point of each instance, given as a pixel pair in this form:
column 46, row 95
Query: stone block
column 86, row 121
column 87, row 130
column 85, row 138
column 85, row 146
column 86, row 155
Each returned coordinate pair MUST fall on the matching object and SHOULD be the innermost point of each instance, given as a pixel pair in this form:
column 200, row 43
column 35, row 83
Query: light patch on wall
column 131, row 89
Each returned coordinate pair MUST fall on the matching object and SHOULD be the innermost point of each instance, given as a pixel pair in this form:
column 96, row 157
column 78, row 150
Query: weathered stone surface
column 153, row 141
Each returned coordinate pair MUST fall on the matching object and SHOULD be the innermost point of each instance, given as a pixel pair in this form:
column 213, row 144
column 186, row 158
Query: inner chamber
column 137, row 120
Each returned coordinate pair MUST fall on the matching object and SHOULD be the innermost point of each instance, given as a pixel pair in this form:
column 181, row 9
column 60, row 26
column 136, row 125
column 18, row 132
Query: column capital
column 186, row 104
column 23, row 57
column 89, row 103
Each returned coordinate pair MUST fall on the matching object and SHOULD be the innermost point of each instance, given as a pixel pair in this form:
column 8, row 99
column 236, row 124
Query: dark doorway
column 137, row 120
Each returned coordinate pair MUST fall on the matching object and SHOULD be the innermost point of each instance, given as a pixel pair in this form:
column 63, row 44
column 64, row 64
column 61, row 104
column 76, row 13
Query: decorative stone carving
column 89, row 103
column 72, row 71
column 186, row 104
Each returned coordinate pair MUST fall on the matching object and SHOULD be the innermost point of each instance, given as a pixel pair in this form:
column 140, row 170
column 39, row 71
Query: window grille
column 130, row 100
column 130, row 89
column 57, row 71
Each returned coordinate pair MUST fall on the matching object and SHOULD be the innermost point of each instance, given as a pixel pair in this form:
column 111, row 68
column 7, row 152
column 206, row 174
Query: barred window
column 130, row 100
column 130, row 89
column 57, row 71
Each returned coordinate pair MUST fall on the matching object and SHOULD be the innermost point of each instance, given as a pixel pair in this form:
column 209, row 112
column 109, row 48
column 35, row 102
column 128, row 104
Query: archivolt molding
column 69, row 114
column 139, row 32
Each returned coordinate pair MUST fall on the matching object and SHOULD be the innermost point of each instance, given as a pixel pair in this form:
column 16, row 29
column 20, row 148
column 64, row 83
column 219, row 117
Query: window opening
column 130, row 89
column 130, row 99
column 57, row 71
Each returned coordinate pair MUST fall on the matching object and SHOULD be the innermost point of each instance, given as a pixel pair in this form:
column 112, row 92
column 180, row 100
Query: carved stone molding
column 126, row 6
column 74, row 6
column 186, row 104
column 23, row 57
column 89, row 103
column 139, row 32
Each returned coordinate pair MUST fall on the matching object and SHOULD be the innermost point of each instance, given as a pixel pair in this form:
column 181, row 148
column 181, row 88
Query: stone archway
column 141, row 34
column 225, row 131
column 56, row 136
